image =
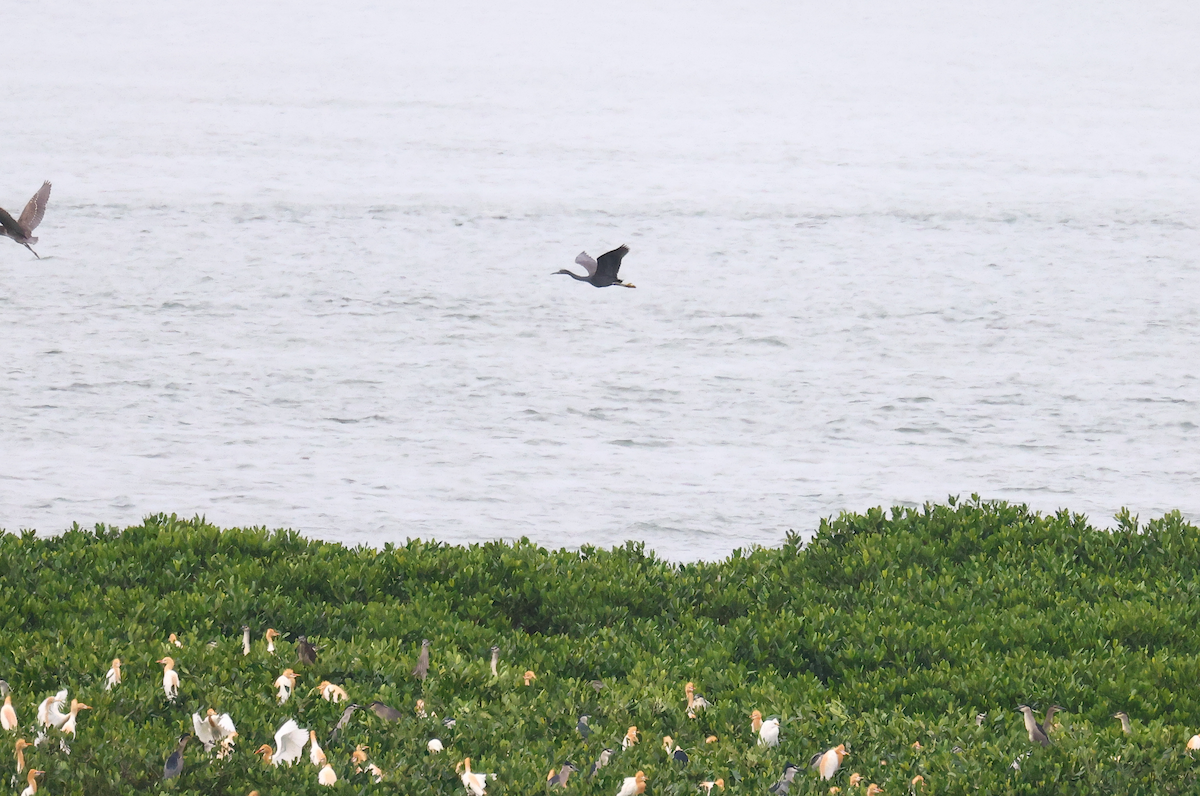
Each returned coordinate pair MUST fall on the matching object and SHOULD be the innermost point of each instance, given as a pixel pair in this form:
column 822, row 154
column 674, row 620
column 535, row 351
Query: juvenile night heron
column 558, row 779
column 1036, row 733
column 1126, row 727
column 1048, row 723
column 602, row 272
column 21, row 229
column 385, row 712
column 780, row 788
column 307, row 652
column 174, row 764
column 495, row 660
column 422, row 668
column 601, row 762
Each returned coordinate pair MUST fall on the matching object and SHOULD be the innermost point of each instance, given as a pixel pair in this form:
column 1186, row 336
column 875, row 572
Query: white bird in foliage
column 827, row 764
column 170, row 678
column 710, row 784
column 226, row 746
column 68, row 727
column 213, row 728
column 1194, row 743
column 50, row 711
column 245, row 640
column 174, row 639
column 694, row 701
column 633, row 785
column 113, row 675
column 32, row 780
column 375, row 772
column 8, row 716
column 331, row 692
column 285, row 683
column 631, row 737
column 474, row 782
column 768, row 734
column 289, row 743
column 270, row 636
column 316, row 754
column 434, row 746
column 327, row 777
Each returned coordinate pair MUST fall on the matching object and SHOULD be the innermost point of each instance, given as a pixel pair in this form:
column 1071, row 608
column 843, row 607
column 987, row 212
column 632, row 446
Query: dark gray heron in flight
column 21, row 229
column 602, row 272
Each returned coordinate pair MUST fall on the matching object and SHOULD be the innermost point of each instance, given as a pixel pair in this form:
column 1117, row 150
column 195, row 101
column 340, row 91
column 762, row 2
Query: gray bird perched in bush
column 1126, row 727
column 559, row 779
column 306, row 651
column 1048, row 723
column 583, row 727
column 422, row 667
column 245, row 639
column 344, row 720
column 780, row 788
column 174, row 765
column 495, row 660
column 1036, row 734
column 601, row 762
column 385, row 712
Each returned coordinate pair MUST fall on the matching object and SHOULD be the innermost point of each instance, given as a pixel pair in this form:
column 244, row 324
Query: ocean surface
column 297, row 265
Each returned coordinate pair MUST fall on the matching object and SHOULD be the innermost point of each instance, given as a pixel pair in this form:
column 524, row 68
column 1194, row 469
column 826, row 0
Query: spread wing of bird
column 587, row 262
column 31, row 216
column 289, row 741
column 203, row 731
column 610, row 262
column 225, row 725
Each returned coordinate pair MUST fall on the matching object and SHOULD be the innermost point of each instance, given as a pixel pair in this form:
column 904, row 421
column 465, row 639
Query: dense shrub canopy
column 885, row 629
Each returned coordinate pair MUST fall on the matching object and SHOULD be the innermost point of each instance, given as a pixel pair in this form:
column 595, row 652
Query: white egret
column 331, row 692
column 827, row 763
column 50, row 711
column 632, row 786
column 213, row 728
column 270, row 636
column 327, row 777
column 68, row 727
column 285, row 682
column 113, row 675
column 170, row 678
column 434, row 746
column 289, row 743
column 245, row 640
column 474, row 782
column 8, row 716
column 32, row 780
column 316, row 754
column 768, row 734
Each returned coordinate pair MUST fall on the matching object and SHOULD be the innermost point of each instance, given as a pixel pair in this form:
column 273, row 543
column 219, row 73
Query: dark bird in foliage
column 21, row 229
column 597, row 685
column 1048, row 723
column 1036, row 734
column 1126, row 727
column 306, row 651
column 583, row 727
column 422, row 667
column 449, row 721
column 677, row 754
column 780, row 788
column 385, row 712
column 601, row 762
column 559, row 779
column 602, row 272
column 495, row 660
column 344, row 720
column 174, row 764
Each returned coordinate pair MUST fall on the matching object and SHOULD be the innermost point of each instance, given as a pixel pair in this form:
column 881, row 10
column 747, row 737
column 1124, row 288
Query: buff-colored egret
column 632, row 786
column 358, row 757
column 326, row 776
column 213, row 728
column 21, row 229
column 710, row 739
column 916, row 782
column 601, row 762
column 270, row 636
column 855, row 779
column 495, row 660
column 113, row 675
column 755, row 721
column 529, row 677
column 316, row 755
column 32, row 786
column 602, row 272
column 1193, row 743
column 474, row 782
column 1123, row 717
column 174, row 765
column 827, row 763
column 174, row 639
column 245, row 640
column 8, row 715
column 286, row 683
column 558, row 779
column 434, row 746
column 694, row 701
column 50, row 711
column 873, row 790
column 22, row 745
column 780, row 788
column 768, row 733
column 170, row 678
column 68, row 727
column 376, row 772
column 331, row 692
column 708, row 785
column 420, row 709
column 1036, row 733
column 289, row 743
column 422, row 668
column 631, row 737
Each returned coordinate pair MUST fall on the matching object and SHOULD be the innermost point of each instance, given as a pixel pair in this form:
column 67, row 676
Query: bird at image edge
column 21, row 229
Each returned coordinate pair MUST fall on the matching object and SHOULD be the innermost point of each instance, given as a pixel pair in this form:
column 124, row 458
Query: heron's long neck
column 575, row 276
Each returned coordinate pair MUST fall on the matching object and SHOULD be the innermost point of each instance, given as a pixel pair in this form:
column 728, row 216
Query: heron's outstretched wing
column 610, row 262
column 31, row 216
column 11, row 227
column 587, row 262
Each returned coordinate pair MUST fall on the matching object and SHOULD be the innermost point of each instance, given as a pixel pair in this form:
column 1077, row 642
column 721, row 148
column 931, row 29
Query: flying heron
column 602, row 272
column 21, row 229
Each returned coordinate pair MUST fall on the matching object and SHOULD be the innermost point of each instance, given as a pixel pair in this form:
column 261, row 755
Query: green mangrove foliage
column 888, row 631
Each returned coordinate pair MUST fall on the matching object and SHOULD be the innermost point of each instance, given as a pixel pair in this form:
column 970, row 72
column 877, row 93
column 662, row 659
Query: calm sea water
column 297, row 265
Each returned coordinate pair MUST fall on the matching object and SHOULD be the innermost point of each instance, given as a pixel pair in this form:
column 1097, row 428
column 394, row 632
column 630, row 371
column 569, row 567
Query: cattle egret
column 316, row 754
column 285, row 682
column 710, row 739
column 917, row 745
column 474, row 783
column 780, row 788
column 495, row 660
column 694, row 701
column 420, row 709
column 855, row 780
column 529, row 677
column 174, row 639
column 434, row 746
column 68, row 727
column 1126, row 727
column 828, row 763
column 306, row 652
column 582, row 726
column 768, row 734
column 1036, row 734
column 376, row 772
column 755, row 721
column 422, row 668
column 212, row 729
column 50, row 711
column 633, row 785
column 8, row 716
column 289, row 743
column 873, row 789
column 358, row 757
column 558, row 779
column 385, row 712
column 270, row 636
column 174, row 764
column 22, row 745
column 331, row 692
column 326, row 776
column 601, row 762
column 245, row 639
column 344, row 720
column 32, row 780
column 170, row 678
column 917, row 781
column 226, row 745
column 709, row 785
column 1194, row 743
column 630, row 738
column 113, row 675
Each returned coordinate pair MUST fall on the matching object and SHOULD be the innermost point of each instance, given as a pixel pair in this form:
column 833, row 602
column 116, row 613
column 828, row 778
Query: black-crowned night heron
column 21, row 229
column 1048, row 722
column 385, row 712
column 601, row 762
column 602, row 272
column 582, row 726
column 174, row 765
column 422, row 668
column 344, row 720
column 780, row 788
column 558, row 779
column 305, row 651
column 1123, row 717
column 1036, row 733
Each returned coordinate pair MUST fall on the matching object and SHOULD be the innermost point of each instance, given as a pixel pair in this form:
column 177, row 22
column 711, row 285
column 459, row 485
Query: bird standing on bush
column 1123, row 717
column 1036, row 734
column 780, row 788
column 8, row 715
column 212, row 729
column 174, row 764
column 31, row 781
column 558, row 779
column 270, row 636
column 326, row 776
column 386, row 712
column 245, row 640
column 826, row 764
column 495, row 660
column 632, row 786
column 286, row 683
column 170, row 678
column 21, row 746
column 316, row 755
column 330, row 692
column 50, row 712
column 306, row 652
column 474, row 782
column 68, row 727
column 707, row 786
column 113, row 675
column 582, row 726
column 694, row 701
column 422, row 668
column 768, row 733
column 344, row 720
